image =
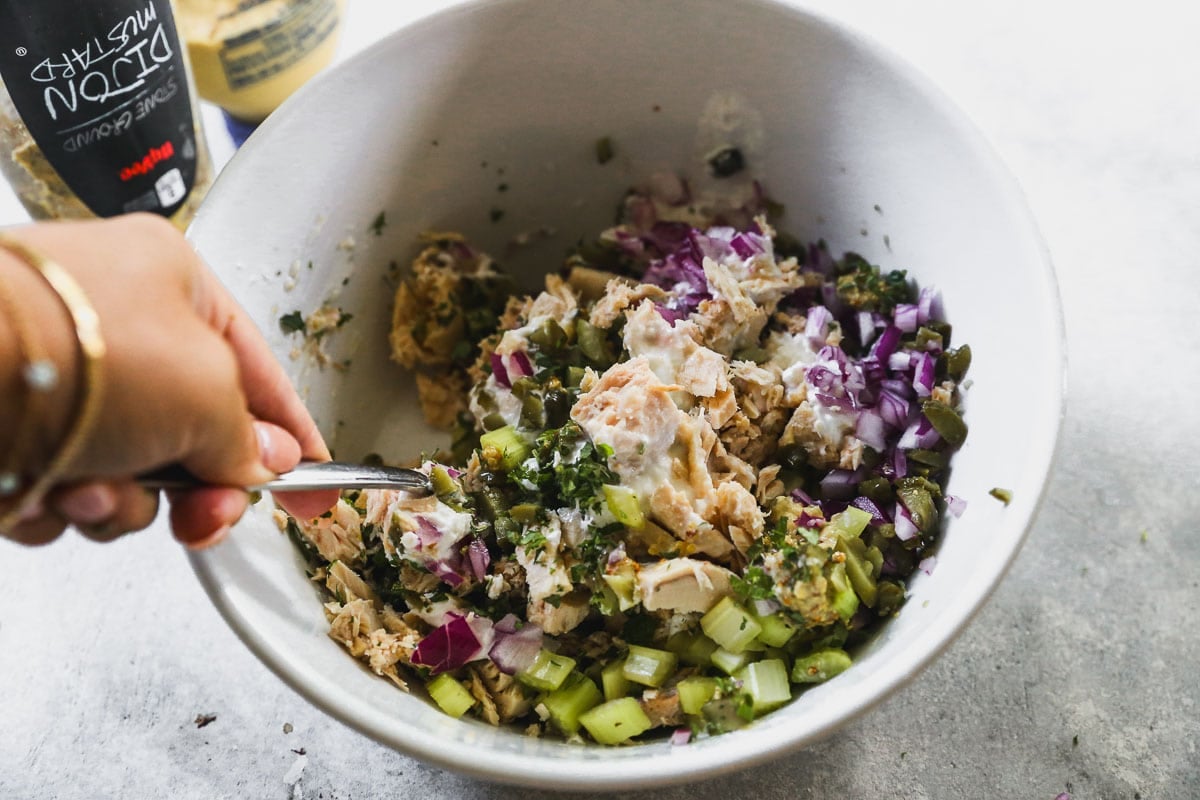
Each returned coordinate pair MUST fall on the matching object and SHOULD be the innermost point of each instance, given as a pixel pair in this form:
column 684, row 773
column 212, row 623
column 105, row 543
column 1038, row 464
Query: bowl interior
column 483, row 119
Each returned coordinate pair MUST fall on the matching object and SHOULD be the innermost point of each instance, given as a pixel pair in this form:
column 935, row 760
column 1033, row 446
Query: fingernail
column 263, row 434
column 214, row 538
column 88, row 505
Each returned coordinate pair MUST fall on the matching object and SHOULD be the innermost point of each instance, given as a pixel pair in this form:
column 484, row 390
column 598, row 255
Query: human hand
column 189, row 380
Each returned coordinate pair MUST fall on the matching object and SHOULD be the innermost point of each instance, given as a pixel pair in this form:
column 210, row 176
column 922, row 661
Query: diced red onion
column 923, row 374
column 840, row 484
column 479, row 556
column 681, row 736
column 806, row 520
column 447, row 647
column 445, row 572
column 928, row 304
column 671, row 315
column 427, row 532
column 955, row 505
column 920, row 434
column 927, row 564
column 887, row 343
column 899, row 361
column 520, row 365
column 801, row 496
column 454, row 472
column 892, row 408
column 905, row 527
column 870, row 430
column 617, row 555
column 507, row 624
column 746, row 245
column 899, row 387
column 516, row 650
column 868, row 505
column 816, row 324
column 866, row 327
column 499, row 371
column 905, row 317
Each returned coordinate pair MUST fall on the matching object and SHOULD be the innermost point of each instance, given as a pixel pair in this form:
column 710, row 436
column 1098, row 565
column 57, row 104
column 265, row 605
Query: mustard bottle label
column 103, row 91
column 262, row 52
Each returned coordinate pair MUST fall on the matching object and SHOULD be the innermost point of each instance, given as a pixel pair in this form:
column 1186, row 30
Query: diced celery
column 820, row 666
column 648, row 666
column 849, row 523
column 777, row 629
column 729, row 662
column 547, row 672
column 692, row 648
column 624, row 586
column 695, row 692
column 613, row 679
column 616, row 721
column 858, row 569
column 767, row 684
column 623, row 503
column 730, row 625
column 450, row 695
column 576, row 695
column 510, row 444
column 844, row 600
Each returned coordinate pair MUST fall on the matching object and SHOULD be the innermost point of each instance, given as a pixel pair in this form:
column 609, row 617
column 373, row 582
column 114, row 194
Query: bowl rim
column 652, row 768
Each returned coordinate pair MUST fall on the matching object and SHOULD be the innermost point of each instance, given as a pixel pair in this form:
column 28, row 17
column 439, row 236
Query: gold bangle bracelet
column 91, row 376
column 38, row 377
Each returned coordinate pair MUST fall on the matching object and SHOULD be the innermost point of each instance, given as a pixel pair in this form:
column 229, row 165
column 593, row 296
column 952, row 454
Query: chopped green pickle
column 820, row 666
column 450, row 695
column 623, row 504
column 547, row 672
column 848, row 524
column 946, row 421
column 616, row 721
column 510, row 444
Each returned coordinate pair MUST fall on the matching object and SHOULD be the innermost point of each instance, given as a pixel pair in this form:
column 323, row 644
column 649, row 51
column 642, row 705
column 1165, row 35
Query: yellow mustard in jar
column 250, row 55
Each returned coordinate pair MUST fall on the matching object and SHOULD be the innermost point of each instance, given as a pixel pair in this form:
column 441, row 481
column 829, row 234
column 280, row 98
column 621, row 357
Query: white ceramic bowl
column 428, row 123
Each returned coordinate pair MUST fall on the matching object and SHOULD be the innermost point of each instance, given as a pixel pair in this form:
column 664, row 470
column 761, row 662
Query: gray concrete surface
column 1082, row 675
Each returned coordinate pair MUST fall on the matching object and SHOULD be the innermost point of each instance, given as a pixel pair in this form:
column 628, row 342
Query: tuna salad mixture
column 686, row 478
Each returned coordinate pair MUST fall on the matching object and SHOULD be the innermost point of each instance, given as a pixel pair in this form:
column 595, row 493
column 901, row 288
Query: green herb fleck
column 726, row 161
column 379, row 223
column 604, row 150
column 1003, row 495
column 292, row 323
column 496, row 214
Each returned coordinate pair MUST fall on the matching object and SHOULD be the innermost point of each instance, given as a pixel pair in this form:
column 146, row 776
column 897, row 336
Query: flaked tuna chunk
column 683, row 584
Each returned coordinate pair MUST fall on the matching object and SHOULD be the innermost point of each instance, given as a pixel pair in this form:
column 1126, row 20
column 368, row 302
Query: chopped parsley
column 292, row 323
column 379, row 223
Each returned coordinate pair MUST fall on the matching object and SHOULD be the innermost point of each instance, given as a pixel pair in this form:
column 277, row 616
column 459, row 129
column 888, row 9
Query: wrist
column 30, row 433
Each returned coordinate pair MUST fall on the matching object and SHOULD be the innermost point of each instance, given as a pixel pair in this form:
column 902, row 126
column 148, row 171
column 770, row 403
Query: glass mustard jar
column 98, row 116
column 250, row 55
